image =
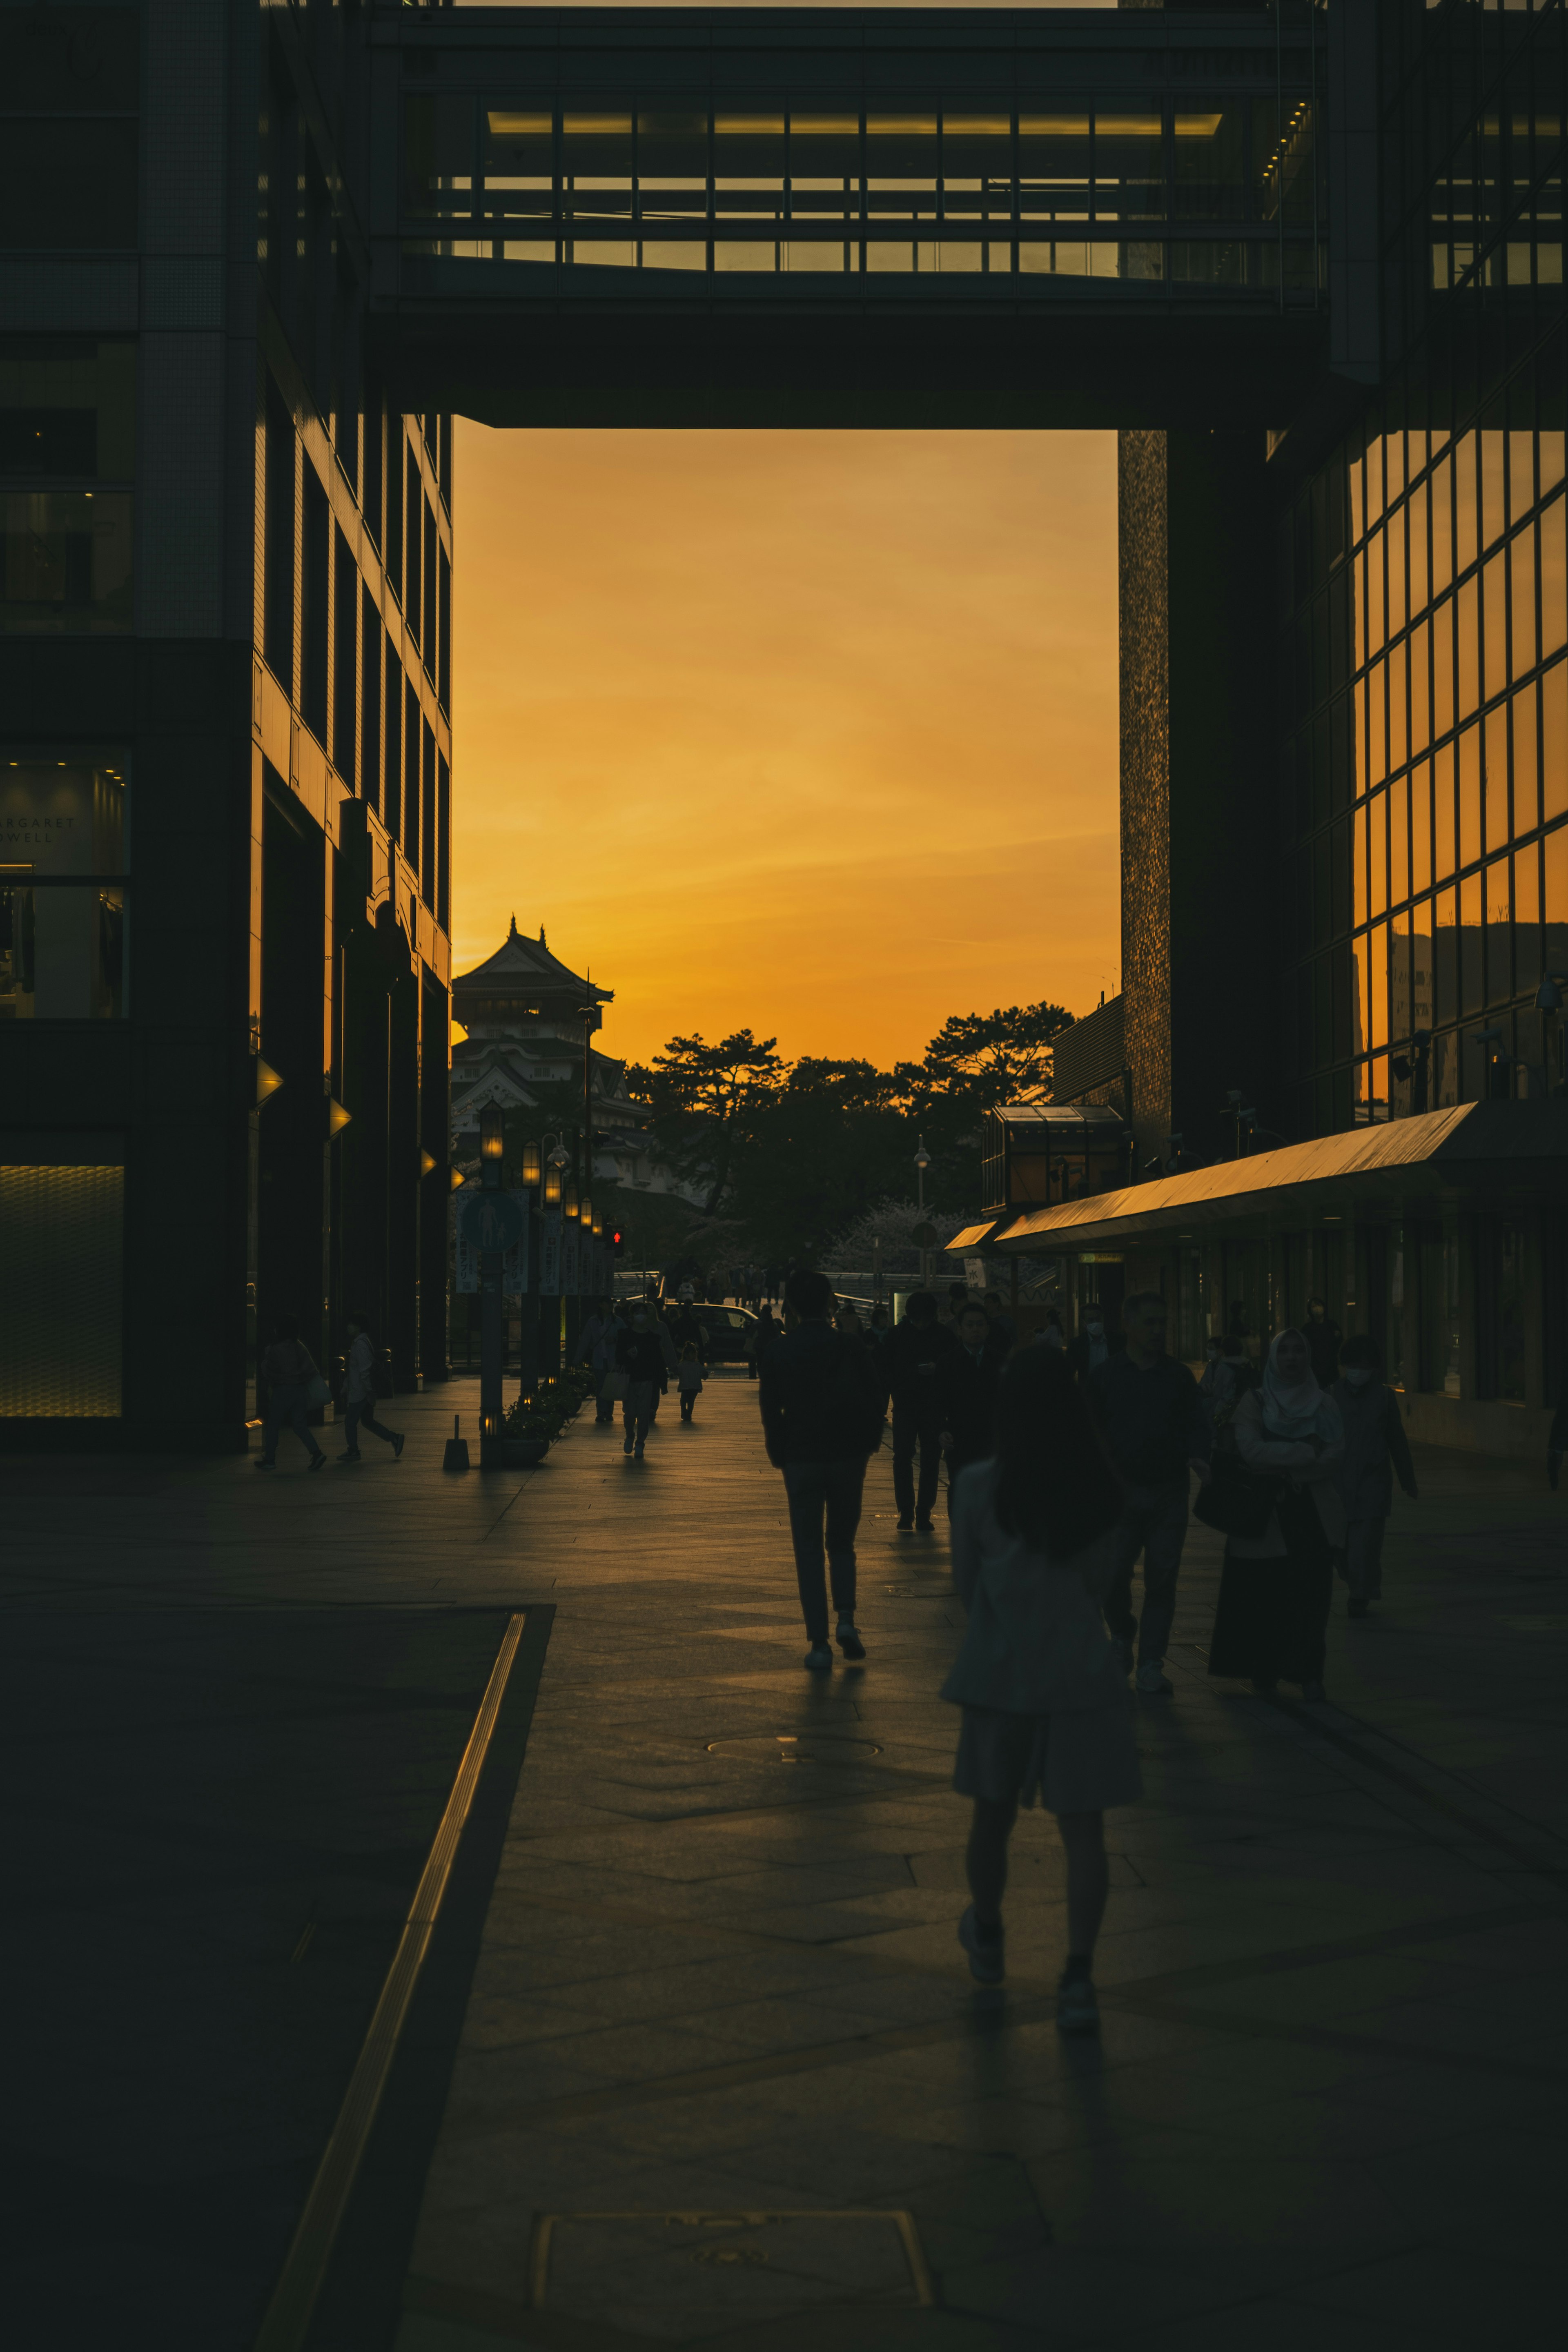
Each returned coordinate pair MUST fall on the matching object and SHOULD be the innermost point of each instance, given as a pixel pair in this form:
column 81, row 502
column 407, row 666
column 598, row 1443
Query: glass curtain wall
column 1423, row 579
column 1214, row 190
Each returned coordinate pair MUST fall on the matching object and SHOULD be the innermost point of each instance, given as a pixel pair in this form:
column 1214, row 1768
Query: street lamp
column 492, row 1136
column 530, row 1157
column 492, row 1133
column 557, row 1161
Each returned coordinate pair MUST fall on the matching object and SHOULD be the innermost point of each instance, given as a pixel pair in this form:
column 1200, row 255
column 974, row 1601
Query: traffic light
column 618, row 1243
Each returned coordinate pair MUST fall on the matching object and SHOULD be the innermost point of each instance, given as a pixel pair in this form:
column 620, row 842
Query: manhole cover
column 625, row 2269
column 792, row 1748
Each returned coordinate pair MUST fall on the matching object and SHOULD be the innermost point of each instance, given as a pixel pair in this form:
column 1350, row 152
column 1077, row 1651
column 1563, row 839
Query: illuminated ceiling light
column 337, row 1117
column 426, row 1161
column 267, row 1081
column 459, row 1180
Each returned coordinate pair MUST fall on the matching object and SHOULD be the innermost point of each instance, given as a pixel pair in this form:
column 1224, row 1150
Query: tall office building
column 225, row 733
column 1344, row 767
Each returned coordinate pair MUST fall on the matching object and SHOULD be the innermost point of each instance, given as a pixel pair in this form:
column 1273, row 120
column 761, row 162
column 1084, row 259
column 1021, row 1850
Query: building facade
column 225, row 732
column 1345, row 788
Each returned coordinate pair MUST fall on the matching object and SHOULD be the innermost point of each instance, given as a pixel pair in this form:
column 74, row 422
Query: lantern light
column 531, row 1163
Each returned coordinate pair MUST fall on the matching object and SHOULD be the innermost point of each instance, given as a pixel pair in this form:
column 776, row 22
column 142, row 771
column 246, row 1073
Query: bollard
column 456, row 1456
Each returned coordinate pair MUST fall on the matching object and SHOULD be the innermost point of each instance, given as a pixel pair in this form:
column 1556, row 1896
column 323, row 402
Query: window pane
column 1398, row 748
column 67, row 562
column 1421, row 876
column 1420, row 689
column 1442, row 526
column 1498, row 914
column 1417, row 533
column 1399, row 840
column 1554, row 743
column 1469, row 796
column 1494, row 607
column 1443, row 670
column 1554, row 581
column 1522, row 611
column 1471, row 977
column 1444, row 957
column 1470, row 628
column 1494, row 514
column 1377, row 854
column 1527, row 916
column 1495, row 779
column 62, row 950
column 1526, row 797
column 1376, row 629
column 1466, row 503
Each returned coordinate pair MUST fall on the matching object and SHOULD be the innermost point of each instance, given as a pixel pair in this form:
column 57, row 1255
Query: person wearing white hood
column 1273, row 1611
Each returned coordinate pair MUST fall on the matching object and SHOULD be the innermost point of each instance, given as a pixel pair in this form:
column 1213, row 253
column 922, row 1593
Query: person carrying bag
column 295, row 1390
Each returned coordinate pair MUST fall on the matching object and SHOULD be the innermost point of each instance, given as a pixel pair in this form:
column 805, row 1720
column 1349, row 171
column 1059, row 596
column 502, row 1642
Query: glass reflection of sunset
column 813, row 732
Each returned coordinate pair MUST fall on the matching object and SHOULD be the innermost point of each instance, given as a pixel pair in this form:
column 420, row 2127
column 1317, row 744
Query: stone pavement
column 714, row 2072
column 719, row 1986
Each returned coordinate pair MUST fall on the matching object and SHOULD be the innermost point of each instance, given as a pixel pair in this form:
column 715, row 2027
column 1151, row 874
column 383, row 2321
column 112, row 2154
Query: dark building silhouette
column 1306, row 260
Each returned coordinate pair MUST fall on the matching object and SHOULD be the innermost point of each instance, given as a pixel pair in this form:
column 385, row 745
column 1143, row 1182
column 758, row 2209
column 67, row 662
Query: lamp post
column 549, row 1334
column 492, row 1133
column 922, row 1162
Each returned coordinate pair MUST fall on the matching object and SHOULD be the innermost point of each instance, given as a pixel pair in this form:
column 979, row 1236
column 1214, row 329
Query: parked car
column 728, row 1330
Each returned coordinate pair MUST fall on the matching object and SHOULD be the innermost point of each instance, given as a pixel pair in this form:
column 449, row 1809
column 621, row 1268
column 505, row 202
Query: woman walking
column 688, row 1378
column 1047, row 1712
column 1274, row 1594
column 359, row 1396
column 289, row 1370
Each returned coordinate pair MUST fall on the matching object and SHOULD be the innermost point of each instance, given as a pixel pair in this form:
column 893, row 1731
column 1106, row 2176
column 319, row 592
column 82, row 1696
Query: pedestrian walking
column 1376, row 1452
column 1003, row 1325
column 821, row 1423
column 918, row 1369
column 294, row 1387
column 953, row 1306
column 1274, row 1593
column 359, row 1393
column 969, row 1405
column 1093, row 1345
column 763, row 1334
column 1046, row 1716
column 596, row 1348
column 1323, row 1339
column 643, row 1355
column 1051, row 1334
column 688, row 1378
column 1151, row 1420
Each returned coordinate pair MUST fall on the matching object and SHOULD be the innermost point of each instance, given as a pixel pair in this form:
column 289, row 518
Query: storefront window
column 63, row 889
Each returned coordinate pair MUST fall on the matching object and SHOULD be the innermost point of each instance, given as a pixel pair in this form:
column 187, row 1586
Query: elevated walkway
column 822, row 215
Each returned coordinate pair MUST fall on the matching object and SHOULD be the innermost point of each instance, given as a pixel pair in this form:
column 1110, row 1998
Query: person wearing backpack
column 822, row 1422
column 293, row 1387
column 361, row 1392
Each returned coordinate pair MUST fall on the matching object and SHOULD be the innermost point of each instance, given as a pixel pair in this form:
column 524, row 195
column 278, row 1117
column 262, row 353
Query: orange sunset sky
column 812, row 732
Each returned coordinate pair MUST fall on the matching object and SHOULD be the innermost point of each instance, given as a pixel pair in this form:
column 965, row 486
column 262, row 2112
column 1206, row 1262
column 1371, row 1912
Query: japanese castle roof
column 525, row 968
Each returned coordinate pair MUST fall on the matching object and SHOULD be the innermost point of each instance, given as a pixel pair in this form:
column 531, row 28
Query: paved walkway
column 710, row 2070
column 721, row 2013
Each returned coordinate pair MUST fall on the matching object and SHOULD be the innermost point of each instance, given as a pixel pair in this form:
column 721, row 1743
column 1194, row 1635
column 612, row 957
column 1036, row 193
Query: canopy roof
column 1489, row 1152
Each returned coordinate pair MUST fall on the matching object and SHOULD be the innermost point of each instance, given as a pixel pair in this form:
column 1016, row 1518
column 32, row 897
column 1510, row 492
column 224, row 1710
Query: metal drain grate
column 628, row 2269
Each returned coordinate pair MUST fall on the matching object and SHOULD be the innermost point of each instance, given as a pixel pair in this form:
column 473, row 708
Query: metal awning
column 1486, row 1152
column 975, row 1237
